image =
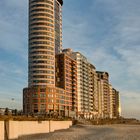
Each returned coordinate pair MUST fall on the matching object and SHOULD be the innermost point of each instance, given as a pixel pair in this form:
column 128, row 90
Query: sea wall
column 57, row 125
column 1, row 130
column 23, row 128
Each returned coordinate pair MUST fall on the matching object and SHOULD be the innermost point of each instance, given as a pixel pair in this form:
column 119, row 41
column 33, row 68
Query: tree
column 7, row 111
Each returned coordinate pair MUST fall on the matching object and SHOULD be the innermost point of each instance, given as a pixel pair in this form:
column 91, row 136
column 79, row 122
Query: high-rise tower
column 45, row 40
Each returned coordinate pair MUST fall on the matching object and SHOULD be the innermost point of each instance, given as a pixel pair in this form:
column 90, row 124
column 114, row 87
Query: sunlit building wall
column 45, row 40
column 104, row 77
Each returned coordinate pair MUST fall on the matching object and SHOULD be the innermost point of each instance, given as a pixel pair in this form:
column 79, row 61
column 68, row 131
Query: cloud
column 12, row 104
column 129, row 103
column 13, row 26
column 106, row 31
column 13, row 80
column 16, row 3
column 109, row 37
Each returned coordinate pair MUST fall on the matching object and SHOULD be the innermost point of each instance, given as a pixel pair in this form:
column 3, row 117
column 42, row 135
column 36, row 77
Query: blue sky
column 106, row 31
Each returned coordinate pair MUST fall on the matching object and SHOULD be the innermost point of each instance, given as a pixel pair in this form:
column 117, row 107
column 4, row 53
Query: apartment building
column 100, row 88
column 115, row 104
column 45, row 40
column 51, row 100
column 111, row 101
column 66, row 78
column 93, row 92
column 104, row 93
column 82, row 84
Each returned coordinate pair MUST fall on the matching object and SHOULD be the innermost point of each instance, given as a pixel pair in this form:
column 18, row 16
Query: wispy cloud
column 13, row 51
column 109, row 36
column 106, row 31
column 13, row 26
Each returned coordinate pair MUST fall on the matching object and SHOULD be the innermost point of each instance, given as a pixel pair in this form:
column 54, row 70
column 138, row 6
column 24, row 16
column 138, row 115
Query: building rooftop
column 60, row 1
column 102, row 72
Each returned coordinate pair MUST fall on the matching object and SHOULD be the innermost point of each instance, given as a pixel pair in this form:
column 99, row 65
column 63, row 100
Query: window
column 42, row 100
column 42, row 106
column 35, row 95
column 42, row 95
column 35, row 100
column 50, row 95
column 41, row 14
column 42, row 1
column 50, row 106
column 50, row 100
column 41, row 5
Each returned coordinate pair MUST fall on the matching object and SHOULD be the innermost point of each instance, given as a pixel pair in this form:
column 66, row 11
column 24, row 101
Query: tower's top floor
column 60, row 1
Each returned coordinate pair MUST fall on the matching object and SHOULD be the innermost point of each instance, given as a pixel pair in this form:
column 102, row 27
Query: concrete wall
column 57, row 125
column 1, row 130
column 21, row 128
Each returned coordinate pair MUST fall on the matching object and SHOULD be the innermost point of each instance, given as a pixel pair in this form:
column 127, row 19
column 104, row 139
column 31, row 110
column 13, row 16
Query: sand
column 87, row 132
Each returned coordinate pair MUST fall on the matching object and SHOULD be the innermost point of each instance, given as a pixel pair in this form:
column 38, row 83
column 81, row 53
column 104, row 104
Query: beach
column 92, row 132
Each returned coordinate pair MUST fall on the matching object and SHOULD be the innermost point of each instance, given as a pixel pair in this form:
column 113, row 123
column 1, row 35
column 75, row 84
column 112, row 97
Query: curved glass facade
column 58, row 27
